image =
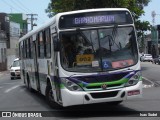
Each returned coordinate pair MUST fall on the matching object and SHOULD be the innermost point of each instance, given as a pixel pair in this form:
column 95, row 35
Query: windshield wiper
column 112, row 38
column 114, row 34
column 114, row 31
column 85, row 38
column 82, row 34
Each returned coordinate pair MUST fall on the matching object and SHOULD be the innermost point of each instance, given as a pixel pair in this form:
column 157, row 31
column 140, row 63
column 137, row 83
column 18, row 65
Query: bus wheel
column 50, row 98
column 29, row 84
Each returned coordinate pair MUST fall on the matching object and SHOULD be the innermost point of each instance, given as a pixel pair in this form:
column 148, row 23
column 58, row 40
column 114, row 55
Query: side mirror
column 56, row 44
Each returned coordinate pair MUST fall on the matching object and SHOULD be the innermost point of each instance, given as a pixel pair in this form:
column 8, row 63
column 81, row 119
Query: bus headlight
column 133, row 80
column 71, row 85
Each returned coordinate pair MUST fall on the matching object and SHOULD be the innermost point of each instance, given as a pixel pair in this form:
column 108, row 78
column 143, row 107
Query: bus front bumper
column 70, row 98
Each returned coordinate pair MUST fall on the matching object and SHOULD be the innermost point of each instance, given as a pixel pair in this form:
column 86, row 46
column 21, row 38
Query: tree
column 142, row 26
column 135, row 6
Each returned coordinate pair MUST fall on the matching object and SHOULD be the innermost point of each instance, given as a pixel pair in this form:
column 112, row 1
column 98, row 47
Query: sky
column 26, row 7
column 39, row 6
column 154, row 5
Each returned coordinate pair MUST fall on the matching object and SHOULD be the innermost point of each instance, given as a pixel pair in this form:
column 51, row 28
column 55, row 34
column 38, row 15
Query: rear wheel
column 50, row 98
column 12, row 78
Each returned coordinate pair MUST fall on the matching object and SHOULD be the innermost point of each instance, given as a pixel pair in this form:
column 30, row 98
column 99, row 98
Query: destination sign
column 94, row 19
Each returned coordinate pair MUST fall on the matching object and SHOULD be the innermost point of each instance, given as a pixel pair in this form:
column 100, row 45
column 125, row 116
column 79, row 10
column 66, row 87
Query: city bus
column 83, row 57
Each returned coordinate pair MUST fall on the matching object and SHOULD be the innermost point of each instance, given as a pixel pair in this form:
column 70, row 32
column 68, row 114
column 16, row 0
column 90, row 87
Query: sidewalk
column 4, row 72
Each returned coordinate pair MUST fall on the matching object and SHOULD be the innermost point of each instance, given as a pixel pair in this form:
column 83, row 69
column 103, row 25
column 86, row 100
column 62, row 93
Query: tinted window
column 47, row 43
column 98, row 50
column 40, row 45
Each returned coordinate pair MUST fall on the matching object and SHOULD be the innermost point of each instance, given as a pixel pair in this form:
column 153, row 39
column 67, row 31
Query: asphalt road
column 15, row 97
column 151, row 72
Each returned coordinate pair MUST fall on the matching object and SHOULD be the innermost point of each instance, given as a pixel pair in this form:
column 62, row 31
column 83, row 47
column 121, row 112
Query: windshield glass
column 98, row 50
column 16, row 63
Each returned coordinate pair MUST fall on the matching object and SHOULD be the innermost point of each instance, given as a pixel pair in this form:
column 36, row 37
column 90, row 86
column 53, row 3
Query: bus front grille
column 104, row 94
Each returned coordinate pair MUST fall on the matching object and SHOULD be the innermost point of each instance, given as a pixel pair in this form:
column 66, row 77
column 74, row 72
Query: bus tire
column 29, row 84
column 50, row 99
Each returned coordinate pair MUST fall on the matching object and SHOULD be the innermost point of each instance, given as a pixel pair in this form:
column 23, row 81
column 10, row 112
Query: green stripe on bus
column 122, row 81
column 140, row 78
column 62, row 86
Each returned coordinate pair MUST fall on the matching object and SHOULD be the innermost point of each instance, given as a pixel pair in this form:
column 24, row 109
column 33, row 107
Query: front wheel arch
column 49, row 96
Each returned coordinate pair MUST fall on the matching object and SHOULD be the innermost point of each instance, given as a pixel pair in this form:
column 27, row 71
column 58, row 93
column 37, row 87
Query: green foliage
column 142, row 26
column 135, row 6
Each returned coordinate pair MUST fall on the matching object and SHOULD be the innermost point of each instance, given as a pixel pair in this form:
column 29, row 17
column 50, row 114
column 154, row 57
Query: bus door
column 36, row 65
column 56, row 71
column 22, row 55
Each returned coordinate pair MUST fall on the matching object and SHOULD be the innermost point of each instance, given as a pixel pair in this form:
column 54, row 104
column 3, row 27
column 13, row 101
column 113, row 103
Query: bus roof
column 54, row 18
column 93, row 10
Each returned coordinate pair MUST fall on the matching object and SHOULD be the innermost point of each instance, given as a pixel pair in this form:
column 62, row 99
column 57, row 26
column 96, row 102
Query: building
column 12, row 27
column 22, row 20
column 3, row 48
column 148, row 43
column 4, row 40
column 12, row 52
column 14, row 34
column 155, row 40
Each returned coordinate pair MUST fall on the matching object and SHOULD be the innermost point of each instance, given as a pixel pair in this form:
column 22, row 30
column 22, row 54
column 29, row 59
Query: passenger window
column 28, row 48
column 40, row 45
column 31, row 48
column 47, row 43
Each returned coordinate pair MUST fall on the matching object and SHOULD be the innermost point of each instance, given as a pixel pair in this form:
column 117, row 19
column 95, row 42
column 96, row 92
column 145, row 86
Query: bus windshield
column 98, row 49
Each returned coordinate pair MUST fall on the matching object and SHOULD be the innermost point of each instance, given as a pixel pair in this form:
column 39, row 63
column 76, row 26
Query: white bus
column 83, row 57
